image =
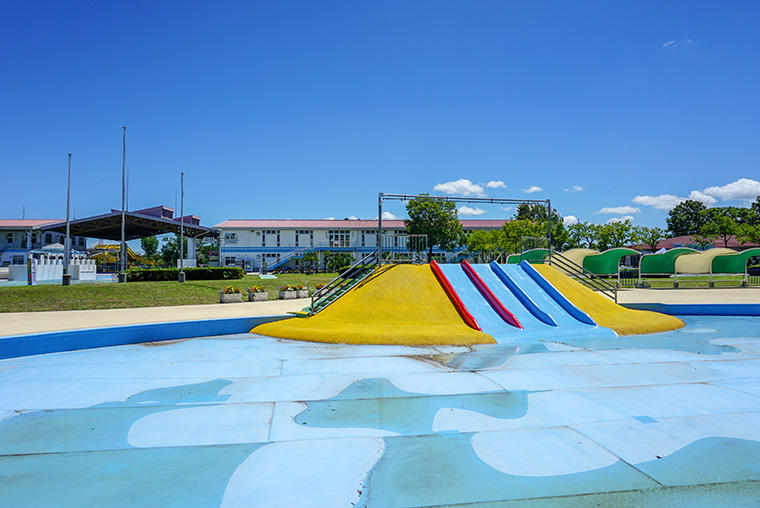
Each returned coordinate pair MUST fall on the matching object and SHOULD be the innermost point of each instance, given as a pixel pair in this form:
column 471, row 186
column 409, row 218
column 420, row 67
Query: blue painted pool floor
column 242, row 420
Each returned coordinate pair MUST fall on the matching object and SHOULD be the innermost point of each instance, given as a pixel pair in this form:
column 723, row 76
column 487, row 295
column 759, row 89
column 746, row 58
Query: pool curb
column 14, row 346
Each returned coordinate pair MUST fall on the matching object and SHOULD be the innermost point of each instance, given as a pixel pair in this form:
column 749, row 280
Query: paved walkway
column 14, row 323
column 715, row 295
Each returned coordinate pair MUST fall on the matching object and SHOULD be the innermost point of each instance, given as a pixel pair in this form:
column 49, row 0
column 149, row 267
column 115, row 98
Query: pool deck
column 18, row 323
column 669, row 419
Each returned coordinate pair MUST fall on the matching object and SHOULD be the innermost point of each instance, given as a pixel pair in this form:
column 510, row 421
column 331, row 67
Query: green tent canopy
column 734, row 263
column 664, row 263
column 531, row 256
column 607, row 262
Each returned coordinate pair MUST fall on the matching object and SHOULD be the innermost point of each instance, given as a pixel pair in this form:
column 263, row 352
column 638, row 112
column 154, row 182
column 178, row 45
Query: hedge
column 157, row 274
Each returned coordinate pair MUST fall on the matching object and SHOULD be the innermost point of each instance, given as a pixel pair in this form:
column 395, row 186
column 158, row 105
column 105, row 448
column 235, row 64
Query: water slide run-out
column 540, row 310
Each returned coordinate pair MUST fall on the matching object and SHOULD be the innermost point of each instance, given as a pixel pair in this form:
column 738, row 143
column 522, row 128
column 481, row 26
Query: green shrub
column 161, row 274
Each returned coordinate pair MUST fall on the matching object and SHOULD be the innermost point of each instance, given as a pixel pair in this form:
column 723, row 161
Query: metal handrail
column 338, row 282
column 591, row 279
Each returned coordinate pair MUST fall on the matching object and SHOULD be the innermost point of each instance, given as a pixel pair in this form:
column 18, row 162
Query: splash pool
column 243, row 420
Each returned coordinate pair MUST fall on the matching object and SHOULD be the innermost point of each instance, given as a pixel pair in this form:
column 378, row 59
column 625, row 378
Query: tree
column 484, row 243
column 687, row 218
column 511, row 234
column 437, row 219
column 748, row 233
column 649, row 236
column 537, row 214
column 582, row 234
column 615, row 234
column 723, row 227
column 754, row 217
column 149, row 246
column 310, row 260
column 170, row 250
column 334, row 261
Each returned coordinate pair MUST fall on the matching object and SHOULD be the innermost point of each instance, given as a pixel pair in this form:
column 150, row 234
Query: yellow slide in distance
column 397, row 304
column 606, row 312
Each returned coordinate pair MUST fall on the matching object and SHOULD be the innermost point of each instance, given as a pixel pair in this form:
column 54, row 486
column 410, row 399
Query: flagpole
column 66, row 281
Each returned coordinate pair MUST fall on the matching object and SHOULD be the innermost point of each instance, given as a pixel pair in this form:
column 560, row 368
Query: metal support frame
column 456, row 199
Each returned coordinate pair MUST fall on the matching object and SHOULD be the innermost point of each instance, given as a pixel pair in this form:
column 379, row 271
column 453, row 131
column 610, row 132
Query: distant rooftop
column 25, row 223
column 343, row 224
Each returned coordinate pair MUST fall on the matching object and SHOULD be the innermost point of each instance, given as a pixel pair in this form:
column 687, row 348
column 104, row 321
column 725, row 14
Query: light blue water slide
column 527, row 300
column 490, row 322
column 569, row 318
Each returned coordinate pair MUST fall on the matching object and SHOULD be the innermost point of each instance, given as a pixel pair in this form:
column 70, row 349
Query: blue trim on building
column 699, row 309
column 15, row 346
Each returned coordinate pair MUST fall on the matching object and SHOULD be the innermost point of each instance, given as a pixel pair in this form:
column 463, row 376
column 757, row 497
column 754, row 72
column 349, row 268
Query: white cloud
column 462, row 187
column 389, row 216
column 661, row 202
column 466, row 210
column 616, row 210
column 704, row 198
column 677, row 44
column 329, row 218
column 496, row 184
column 743, row 188
column 574, row 188
column 506, row 208
column 569, row 220
column 620, row 219
column 532, row 189
column 352, row 217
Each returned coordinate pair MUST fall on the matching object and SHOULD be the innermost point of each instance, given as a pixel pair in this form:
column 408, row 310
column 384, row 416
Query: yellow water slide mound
column 606, row 312
column 401, row 304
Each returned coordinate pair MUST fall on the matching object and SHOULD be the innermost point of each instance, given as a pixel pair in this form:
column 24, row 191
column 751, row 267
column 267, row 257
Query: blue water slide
column 489, row 321
column 554, row 294
column 521, row 295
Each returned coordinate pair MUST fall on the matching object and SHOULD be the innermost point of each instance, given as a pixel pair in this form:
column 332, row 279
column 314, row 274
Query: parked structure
column 19, row 236
column 281, row 243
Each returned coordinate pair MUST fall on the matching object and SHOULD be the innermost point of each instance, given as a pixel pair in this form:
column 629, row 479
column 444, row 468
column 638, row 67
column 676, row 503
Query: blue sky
column 309, row 109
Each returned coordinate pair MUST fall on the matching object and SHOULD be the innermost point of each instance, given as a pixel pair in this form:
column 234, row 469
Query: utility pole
column 66, row 281
column 123, row 249
column 182, row 227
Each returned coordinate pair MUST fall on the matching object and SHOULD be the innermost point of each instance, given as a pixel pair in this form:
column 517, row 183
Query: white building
column 19, row 236
column 278, row 242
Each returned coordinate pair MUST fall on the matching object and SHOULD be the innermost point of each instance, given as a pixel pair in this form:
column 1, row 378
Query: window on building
column 48, row 238
column 270, row 237
column 230, row 260
column 369, row 235
column 339, row 238
column 82, row 241
column 304, row 237
column 230, row 237
column 9, row 238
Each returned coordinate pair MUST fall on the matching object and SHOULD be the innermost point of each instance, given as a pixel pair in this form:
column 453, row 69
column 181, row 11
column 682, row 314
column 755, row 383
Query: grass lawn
column 139, row 294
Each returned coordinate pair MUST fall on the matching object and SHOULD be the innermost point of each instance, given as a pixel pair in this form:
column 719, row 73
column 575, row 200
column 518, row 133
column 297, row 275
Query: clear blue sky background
column 308, row 109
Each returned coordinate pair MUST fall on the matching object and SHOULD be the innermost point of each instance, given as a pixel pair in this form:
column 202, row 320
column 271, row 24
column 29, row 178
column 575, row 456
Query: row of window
column 48, row 239
column 335, row 237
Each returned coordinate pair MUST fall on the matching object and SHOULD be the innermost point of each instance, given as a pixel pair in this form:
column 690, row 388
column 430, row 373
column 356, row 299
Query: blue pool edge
column 15, row 346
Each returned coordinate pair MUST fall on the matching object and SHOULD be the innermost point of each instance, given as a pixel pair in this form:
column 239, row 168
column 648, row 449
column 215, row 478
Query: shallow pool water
column 244, row 420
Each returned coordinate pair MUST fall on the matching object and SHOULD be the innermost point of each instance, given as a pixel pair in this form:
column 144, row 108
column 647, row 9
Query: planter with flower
column 257, row 294
column 230, row 294
column 288, row 292
column 303, row 291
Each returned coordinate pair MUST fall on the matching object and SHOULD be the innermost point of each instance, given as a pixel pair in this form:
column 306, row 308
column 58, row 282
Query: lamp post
column 182, row 226
column 66, row 281
column 123, row 249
